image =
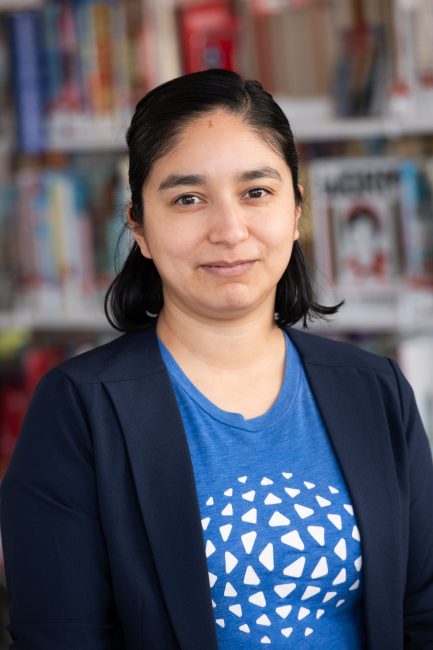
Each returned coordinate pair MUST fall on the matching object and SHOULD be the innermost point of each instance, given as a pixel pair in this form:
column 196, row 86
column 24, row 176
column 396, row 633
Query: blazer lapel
column 163, row 473
column 350, row 404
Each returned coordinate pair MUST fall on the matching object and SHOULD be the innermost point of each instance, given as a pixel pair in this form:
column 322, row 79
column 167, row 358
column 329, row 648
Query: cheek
column 279, row 233
column 172, row 248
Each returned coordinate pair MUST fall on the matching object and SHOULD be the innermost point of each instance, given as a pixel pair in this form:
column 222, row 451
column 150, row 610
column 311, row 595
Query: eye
column 256, row 193
column 187, row 199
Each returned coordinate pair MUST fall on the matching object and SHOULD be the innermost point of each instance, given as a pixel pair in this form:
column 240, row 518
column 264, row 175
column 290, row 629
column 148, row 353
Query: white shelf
column 19, row 5
column 85, row 133
column 313, row 121
column 87, row 145
column 394, row 310
column 90, row 321
column 401, row 313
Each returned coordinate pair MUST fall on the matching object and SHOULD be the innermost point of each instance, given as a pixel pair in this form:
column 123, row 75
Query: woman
column 216, row 478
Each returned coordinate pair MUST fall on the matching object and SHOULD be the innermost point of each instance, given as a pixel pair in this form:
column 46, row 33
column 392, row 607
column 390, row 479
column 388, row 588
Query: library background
column 355, row 78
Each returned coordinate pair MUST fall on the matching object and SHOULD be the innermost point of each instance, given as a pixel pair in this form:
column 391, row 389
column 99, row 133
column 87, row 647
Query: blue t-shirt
column 282, row 543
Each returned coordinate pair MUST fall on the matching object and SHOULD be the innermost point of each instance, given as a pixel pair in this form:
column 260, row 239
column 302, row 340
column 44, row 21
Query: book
column 360, row 82
column 26, row 61
column 13, row 406
column 6, row 100
column 208, row 36
column 415, row 356
column 412, row 82
column 274, row 36
column 417, row 213
column 356, row 211
column 8, row 248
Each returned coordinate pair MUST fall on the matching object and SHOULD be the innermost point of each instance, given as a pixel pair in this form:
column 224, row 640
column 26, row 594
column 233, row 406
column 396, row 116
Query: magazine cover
column 357, row 222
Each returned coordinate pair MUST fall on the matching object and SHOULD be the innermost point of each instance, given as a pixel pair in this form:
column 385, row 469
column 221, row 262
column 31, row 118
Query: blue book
column 26, row 52
column 52, row 75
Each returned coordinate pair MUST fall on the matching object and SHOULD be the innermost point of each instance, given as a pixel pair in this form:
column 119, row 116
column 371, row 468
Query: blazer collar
column 141, row 391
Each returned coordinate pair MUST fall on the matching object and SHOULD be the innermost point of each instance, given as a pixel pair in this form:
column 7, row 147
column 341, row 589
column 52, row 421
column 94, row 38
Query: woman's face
column 219, row 220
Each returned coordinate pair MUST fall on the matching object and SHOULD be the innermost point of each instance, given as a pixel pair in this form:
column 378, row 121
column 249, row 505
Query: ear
column 138, row 233
column 298, row 212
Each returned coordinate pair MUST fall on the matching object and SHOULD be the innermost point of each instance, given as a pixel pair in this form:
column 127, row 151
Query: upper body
column 103, row 507
column 99, row 505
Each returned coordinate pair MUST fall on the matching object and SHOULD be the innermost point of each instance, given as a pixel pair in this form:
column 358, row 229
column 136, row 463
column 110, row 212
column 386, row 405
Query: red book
column 13, row 405
column 15, row 397
column 208, row 36
column 37, row 362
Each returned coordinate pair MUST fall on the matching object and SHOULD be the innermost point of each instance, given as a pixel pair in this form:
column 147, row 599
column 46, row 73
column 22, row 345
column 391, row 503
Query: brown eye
column 187, row 199
column 256, row 193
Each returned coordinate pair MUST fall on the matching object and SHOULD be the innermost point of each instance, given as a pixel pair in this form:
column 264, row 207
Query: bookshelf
column 149, row 30
column 89, row 141
column 81, row 133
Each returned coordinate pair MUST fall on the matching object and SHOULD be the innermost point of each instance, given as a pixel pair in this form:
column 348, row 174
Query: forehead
column 218, row 141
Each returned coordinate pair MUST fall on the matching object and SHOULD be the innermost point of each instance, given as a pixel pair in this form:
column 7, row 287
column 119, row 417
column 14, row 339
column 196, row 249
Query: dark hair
column 361, row 213
column 135, row 295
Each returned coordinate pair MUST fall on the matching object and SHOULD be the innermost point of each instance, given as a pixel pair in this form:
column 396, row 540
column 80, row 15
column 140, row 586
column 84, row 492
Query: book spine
column 104, row 77
column 68, row 52
column 52, row 69
column 119, row 48
column 85, row 54
column 417, row 208
column 26, row 52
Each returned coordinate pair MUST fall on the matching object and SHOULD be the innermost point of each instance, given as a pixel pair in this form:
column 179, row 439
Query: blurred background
column 355, row 78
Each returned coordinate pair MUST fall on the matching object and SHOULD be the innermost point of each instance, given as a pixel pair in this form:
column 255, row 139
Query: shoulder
column 320, row 350
column 334, row 366
column 128, row 356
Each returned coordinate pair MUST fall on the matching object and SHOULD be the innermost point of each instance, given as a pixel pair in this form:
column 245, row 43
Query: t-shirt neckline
column 280, row 408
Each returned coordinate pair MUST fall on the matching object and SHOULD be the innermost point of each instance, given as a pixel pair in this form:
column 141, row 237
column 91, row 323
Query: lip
column 226, row 269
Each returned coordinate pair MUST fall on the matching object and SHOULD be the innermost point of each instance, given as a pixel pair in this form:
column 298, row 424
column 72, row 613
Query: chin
column 237, row 298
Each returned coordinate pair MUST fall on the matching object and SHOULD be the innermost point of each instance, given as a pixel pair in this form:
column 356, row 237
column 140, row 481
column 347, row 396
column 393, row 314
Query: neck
column 227, row 345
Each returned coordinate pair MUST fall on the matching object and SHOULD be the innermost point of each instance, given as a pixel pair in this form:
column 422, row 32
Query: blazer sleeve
column 56, row 563
column 418, row 600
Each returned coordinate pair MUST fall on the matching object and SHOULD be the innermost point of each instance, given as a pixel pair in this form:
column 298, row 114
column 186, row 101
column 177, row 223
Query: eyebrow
column 174, row 180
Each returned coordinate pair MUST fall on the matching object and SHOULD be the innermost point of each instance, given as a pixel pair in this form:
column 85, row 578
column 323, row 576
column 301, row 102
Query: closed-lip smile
column 224, row 264
column 224, row 268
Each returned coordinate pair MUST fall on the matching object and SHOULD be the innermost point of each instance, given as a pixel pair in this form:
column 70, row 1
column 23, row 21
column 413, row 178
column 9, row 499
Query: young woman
column 216, row 478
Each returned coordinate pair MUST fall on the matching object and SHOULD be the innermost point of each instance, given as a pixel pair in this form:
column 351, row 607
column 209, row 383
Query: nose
column 227, row 225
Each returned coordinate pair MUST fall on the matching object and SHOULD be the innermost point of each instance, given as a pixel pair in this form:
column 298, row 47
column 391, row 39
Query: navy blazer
column 101, row 526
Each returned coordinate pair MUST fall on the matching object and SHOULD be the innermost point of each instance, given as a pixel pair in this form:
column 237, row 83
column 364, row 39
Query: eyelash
column 258, row 189
column 179, row 200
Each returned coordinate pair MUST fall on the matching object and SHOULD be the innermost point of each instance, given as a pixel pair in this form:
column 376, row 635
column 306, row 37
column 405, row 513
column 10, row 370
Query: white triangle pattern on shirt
column 265, row 555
